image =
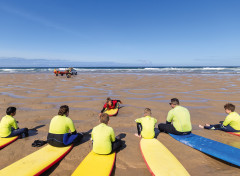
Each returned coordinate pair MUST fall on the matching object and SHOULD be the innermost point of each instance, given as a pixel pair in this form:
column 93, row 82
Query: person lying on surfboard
column 59, row 128
column 231, row 122
column 110, row 104
column 145, row 125
column 180, row 117
column 104, row 141
column 9, row 127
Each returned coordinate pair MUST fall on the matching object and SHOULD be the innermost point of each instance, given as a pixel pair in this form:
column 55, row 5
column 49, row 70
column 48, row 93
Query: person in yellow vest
column 231, row 122
column 145, row 125
column 9, row 127
column 103, row 137
column 59, row 134
column 179, row 116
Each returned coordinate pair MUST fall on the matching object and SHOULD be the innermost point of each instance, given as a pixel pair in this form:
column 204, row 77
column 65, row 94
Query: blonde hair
column 147, row 111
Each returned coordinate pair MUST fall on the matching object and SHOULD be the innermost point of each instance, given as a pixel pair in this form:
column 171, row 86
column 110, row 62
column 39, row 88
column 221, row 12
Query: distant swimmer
column 231, row 122
column 9, row 127
column 59, row 134
column 110, row 104
column 146, row 125
column 104, row 141
column 180, row 118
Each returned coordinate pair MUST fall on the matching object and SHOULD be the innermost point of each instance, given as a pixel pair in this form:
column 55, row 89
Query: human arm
column 71, row 126
column 112, row 135
column 169, row 117
column 227, row 120
column 139, row 120
column 103, row 109
column 155, row 121
column 14, row 124
column 119, row 101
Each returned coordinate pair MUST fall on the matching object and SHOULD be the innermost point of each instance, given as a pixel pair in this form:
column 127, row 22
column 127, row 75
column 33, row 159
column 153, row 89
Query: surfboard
column 112, row 112
column 6, row 141
column 95, row 164
column 216, row 149
column 159, row 160
column 234, row 133
column 37, row 162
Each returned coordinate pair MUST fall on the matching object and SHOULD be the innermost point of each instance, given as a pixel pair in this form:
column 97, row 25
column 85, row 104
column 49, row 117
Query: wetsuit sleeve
column 139, row 120
column 92, row 134
column 112, row 135
column 104, row 107
column 14, row 124
column 170, row 116
column 227, row 120
column 102, row 110
column 71, row 125
column 155, row 120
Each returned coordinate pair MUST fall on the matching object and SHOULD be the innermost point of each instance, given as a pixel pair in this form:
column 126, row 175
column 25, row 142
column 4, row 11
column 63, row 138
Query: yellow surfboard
column 37, row 162
column 6, row 141
column 95, row 164
column 112, row 112
column 159, row 160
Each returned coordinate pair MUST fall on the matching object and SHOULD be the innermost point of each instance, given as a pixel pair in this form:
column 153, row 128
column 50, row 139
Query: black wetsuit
column 169, row 128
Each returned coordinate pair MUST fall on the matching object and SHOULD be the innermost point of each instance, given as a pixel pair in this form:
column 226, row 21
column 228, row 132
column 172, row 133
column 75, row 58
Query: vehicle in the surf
column 68, row 71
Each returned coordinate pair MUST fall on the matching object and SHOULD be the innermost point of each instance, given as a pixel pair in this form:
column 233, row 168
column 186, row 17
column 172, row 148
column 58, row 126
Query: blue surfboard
column 216, row 149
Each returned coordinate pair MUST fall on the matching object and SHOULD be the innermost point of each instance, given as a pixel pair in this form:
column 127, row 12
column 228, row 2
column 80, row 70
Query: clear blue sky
column 158, row 32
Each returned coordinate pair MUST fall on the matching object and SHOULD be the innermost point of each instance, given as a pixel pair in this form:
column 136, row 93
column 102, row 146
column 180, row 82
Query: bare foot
column 207, row 124
column 137, row 135
column 200, row 126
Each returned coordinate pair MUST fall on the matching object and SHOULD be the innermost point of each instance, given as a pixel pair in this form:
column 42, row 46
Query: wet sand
column 39, row 96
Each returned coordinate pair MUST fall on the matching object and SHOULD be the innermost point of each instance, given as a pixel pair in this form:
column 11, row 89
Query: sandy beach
column 39, row 96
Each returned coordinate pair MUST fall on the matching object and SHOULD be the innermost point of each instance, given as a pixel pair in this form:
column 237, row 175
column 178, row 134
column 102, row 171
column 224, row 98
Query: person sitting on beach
column 104, row 141
column 231, row 122
column 9, row 127
column 110, row 104
column 145, row 125
column 180, row 117
column 60, row 125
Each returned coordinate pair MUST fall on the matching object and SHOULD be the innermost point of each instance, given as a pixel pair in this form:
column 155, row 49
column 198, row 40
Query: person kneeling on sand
column 60, row 125
column 231, row 122
column 180, row 117
column 9, row 127
column 104, row 141
column 110, row 104
column 145, row 125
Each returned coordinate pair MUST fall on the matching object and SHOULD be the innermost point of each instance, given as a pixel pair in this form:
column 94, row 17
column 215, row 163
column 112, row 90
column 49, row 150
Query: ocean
column 129, row 70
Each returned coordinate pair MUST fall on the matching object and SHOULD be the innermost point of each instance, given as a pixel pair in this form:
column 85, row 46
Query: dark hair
column 230, row 107
column 147, row 111
column 108, row 99
column 104, row 118
column 175, row 101
column 64, row 109
column 10, row 110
